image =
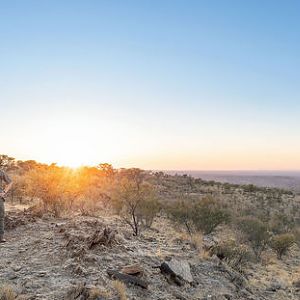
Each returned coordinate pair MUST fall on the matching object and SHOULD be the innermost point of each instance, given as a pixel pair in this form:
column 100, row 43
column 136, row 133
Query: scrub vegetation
column 244, row 228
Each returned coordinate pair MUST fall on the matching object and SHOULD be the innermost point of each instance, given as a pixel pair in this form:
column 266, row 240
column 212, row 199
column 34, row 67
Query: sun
column 74, row 140
column 70, row 142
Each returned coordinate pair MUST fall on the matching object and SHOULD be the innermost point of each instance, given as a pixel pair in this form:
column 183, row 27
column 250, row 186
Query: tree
column 107, row 170
column 6, row 162
column 135, row 175
column 129, row 201
column 48, row 183
column 27, row 165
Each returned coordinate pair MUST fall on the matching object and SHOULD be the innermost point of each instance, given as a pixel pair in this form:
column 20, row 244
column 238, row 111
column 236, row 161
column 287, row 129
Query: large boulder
column 180, row 268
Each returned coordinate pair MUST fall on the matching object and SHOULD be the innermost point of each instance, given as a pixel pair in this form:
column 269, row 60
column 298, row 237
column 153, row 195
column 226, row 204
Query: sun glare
column 71, row 142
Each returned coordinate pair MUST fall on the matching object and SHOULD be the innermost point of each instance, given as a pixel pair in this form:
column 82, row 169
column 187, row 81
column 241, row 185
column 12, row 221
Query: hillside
column 50, row 258
column 72, row 250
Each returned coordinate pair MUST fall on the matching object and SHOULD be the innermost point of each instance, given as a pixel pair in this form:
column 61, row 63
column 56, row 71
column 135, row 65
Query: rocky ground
column 67, row 258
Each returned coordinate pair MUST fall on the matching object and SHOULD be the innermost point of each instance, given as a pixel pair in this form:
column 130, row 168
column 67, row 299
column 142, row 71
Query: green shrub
column 149, row 210
column 207, row 214
column 236, row 255
column 202, row 215
column 282, row 243
column 256, row 232
column 181, row 212
column 296, row 233
column 281, row 223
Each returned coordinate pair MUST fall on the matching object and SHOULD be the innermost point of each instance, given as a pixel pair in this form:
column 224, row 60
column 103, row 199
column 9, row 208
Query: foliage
column 236, row 255
column 282, row 243
column 120, row 289
column 48, row 184
column 256, row 233
column 7, row 292
column 207, row 214
column 296, row 233
column 6, row 162
column 181, row 212
column 149, row 209
column 135, row 202
column 201, row 215
column 281, row 223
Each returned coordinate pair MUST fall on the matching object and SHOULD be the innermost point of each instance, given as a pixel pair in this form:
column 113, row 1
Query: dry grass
column 195, row 239
column 95, row 293
column 121, row 289
column 205, row 255
column 159, row 253
column 268, row 258
column 7, row 293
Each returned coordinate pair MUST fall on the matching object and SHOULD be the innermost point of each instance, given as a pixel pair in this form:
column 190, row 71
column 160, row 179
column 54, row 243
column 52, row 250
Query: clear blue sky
column 158, row 84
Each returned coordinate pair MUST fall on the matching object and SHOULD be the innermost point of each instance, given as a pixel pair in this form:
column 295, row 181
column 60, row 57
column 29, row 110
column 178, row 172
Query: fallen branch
column 128, row 279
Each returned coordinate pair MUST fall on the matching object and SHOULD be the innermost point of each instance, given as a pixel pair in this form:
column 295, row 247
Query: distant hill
column 278, row 179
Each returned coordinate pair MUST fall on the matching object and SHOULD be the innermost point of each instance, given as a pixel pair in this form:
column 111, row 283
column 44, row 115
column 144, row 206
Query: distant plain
column 280, row 179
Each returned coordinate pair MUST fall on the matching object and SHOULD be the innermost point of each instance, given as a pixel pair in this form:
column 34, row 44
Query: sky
column 160, row 84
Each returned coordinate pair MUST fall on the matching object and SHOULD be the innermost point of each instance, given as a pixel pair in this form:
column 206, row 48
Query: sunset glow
column 203, row 87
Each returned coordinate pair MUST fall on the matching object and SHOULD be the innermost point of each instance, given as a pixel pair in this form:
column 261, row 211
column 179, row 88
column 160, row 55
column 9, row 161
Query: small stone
column 179, row 296
column 16, row 268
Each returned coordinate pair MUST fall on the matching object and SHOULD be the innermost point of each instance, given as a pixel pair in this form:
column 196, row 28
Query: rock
column 135, row 270
column 180, row 296
column 181, row 268
column 296, row 283
column 11, row 276
column 276, row 285
column 16, row 268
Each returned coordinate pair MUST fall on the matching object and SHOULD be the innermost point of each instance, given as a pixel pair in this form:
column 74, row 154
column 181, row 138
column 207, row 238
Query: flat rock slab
column 181, row 268
column 135, row 270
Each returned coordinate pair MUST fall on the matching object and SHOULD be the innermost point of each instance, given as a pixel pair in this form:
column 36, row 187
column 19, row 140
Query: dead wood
column 128, row 279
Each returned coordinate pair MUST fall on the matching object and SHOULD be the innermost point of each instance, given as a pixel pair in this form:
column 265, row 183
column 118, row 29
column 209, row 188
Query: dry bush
column 236, row 255
column 120, row 289
column 282, row 243
column 281, row 223
column 194, row 239
column 197, row 240
column 149, row 210
column 131, row 201
column 296, row 233
column 96, row 293
column 7, row 293
column 180, row 212
column 48, row 184
column 202, row 215
column 208, row 214
column 255, row 232
column 62, row 189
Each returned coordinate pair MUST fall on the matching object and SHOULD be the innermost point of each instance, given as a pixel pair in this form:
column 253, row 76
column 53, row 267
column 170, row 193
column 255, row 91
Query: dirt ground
column 47, row 258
